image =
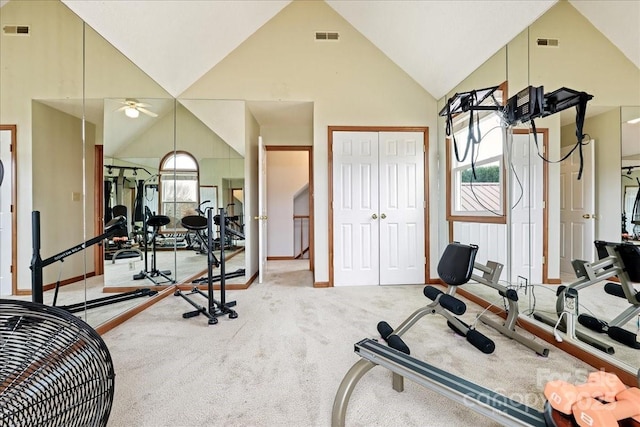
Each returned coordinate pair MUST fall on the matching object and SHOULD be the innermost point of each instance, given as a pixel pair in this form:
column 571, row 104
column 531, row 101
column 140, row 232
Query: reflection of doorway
column 290, row 203
column 577, row 208
column 8, row 225
column 529, row 245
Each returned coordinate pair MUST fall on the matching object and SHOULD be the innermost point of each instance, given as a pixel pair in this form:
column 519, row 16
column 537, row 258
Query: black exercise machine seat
column 456, row 264
column 157, row 221
column 194, row 222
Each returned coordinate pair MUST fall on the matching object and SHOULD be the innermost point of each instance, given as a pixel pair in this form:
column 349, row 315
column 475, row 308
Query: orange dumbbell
column 591, row 413
column 562, row 395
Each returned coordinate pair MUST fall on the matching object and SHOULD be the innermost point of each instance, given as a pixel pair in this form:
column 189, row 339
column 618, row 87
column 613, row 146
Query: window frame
column 165, row 172
column 485, row 216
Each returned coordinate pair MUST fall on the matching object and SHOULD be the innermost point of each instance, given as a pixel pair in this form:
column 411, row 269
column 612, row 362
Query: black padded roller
column 431, row 292
column 396, row 342
column 453, row 304
column 614, row 289
column 592, row 323
column 385, row 330
column 623, row 336
column 480, row 342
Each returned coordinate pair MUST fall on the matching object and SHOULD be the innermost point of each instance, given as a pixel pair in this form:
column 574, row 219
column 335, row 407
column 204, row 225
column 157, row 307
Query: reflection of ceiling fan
column 132, row 108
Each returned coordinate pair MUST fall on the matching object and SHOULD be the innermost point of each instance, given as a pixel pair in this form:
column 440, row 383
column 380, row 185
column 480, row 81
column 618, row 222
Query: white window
column 179, row 186
column 479, row 196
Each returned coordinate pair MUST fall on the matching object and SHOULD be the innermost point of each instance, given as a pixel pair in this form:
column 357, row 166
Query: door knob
column 383, row 216
column 374, row 216
column 586, row 216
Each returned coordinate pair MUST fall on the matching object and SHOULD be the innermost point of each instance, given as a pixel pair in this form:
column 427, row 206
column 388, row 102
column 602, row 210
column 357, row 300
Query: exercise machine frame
column 214, row 308
column 567, row 305
column 490, row 276
column 154, row 272
column 38, row 264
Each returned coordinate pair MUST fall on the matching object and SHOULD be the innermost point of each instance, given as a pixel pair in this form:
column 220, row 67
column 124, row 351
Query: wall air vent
column 548, row 42
column 327, row 36
column 16, row 30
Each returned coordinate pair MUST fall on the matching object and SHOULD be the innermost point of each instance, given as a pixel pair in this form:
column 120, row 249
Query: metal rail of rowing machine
column 477, row 398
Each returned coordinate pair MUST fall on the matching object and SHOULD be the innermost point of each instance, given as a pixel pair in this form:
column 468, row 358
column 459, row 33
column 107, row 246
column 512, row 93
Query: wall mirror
column 66, row 119
column 46, row 110
column 103, row 139
column 199, row 130
column 574, row 212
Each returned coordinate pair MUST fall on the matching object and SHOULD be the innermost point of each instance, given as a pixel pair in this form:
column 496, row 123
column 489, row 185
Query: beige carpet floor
column 281, row 361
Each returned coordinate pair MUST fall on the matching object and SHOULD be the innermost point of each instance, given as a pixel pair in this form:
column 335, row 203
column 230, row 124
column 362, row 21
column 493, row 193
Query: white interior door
column 401, row 217
column 262, row 208
column 5, row 214
column 577, row 208
column 527, row 183
column 355, row 208
column 378, row 208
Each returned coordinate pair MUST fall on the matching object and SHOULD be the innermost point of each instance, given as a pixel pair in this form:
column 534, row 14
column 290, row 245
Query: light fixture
column 634, row 121
column 131, row 112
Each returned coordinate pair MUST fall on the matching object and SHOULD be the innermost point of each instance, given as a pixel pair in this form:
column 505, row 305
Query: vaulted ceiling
column 419, row 36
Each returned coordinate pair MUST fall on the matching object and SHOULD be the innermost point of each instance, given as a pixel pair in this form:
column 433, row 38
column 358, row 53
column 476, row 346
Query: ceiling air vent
column 16, row 30
column 548, row 42
column 327, row 36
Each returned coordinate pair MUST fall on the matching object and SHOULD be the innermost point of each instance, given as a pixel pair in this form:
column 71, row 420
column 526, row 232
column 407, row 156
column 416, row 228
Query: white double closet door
column 378, row 208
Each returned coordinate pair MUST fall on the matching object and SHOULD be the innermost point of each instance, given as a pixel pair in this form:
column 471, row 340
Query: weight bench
column 456, row 268
column 480, row 399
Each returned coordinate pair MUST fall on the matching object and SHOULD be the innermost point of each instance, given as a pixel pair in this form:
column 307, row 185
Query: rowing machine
column 480, row 399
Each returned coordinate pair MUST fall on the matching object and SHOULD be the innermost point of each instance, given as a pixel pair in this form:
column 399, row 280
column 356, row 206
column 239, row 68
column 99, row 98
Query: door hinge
column 544, row 260
column 425, row 260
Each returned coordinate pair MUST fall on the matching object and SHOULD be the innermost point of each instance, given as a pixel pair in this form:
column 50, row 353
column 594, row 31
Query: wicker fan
column 55, row 370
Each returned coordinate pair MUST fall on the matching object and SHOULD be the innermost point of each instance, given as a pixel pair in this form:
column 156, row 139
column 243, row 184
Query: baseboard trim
column 280, row 258
column 321, row 285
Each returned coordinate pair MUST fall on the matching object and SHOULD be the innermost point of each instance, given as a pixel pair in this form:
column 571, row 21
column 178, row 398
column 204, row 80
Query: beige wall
column 58, row 161
column 283, row 62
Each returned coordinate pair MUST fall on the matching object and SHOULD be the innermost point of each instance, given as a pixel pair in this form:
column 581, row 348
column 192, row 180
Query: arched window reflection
column 179, row 186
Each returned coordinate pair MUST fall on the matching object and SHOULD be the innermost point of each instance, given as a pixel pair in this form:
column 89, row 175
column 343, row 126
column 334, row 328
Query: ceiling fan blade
column 147, row 112
column 124, row 107
column 143, row 104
